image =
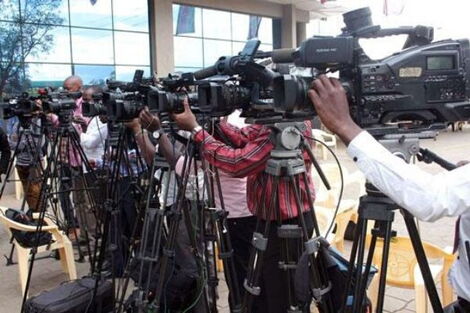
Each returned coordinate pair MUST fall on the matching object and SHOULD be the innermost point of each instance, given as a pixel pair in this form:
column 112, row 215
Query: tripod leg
column 422, row 261
column 383, row 267
column 357, row 303
column 260, row 243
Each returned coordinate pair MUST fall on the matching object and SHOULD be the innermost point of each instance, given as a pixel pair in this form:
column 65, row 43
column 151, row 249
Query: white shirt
column 426, row 196
column 93, row 140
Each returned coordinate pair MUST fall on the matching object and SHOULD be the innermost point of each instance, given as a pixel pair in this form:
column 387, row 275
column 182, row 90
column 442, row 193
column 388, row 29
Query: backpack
column 25, row 238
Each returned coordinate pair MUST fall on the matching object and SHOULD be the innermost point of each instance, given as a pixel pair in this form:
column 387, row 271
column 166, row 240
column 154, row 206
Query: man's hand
column 134, row 125
column 149, row 121
column 80, row 120
column 331, row 105
column 462, row 163
column 186, row 120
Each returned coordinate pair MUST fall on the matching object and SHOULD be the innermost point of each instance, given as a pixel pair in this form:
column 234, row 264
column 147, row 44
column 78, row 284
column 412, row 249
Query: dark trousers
column 275, row 286
column 459, row 306
column 31, row 181
column 241, row 233
column 122, row 223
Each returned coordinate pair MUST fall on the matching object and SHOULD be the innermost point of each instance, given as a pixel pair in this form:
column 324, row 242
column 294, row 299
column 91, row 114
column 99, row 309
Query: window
column 96, row 40
column 84, row 13
column 130, row 15
column 131, row 48
column 59, row 51
column 201, row 35
column 92, row 46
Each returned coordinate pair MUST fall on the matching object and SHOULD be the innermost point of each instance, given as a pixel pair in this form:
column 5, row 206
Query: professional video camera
column 426, row 83
column 170, row 95
column 236, row 82
column 122, row 101
column 47, row 100
column 94, row 107
column 22, row 106
column 59, row 101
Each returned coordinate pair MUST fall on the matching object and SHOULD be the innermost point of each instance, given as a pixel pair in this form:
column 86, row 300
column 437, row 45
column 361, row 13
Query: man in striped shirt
column 252, row 146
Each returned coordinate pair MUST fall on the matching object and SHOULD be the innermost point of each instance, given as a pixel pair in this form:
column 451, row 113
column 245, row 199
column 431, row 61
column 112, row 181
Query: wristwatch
column 195, row 130
column 157, row 134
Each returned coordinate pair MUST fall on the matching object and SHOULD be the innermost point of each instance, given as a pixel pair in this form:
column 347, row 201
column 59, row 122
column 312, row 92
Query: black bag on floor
column 74, row 297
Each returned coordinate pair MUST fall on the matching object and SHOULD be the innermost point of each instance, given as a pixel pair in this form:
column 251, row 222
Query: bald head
column 73, row 83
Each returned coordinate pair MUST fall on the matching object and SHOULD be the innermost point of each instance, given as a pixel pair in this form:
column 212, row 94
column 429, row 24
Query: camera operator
column 71, row 167
column 241, row 223
column 27, row 160
column 253, row 146
column 5, row 152
column 123, row 224
column 93, row 141
column 428, row 197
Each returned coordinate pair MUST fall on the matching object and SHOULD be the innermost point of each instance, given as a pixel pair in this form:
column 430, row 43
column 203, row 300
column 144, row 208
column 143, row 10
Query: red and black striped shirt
column 247, row 157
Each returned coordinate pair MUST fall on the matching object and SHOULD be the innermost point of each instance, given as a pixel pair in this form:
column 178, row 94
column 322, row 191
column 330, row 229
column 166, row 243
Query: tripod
column 378, row 208
column 65, row 139
column 180, row 211
column 286, row 165
column 123, row 174
column 28, row 143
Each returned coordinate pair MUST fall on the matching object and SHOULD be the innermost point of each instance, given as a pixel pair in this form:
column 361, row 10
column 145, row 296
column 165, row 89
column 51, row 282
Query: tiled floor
column 47, row 273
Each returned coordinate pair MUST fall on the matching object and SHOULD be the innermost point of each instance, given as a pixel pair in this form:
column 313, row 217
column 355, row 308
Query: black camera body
column 21, row 106
column 426, row 83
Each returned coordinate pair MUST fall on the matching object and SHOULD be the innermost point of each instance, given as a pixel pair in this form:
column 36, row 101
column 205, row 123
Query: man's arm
column 239, row 136
column 165, row 147
column 238, row 162
column 426, row 196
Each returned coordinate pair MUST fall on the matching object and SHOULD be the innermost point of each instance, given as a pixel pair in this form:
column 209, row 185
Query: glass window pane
column 188, row 52
column 16, row 82
column 10, row 45
column 214, row 49
column 240, row 26
column 54, row 12
column 265, row 32
column 9, row 10
column 184, row 23
column 216, row 24
column 126, row 73
column 94, row 74
column 45, row 75
column 84, row 13
column 131, row 15
column 92, row 46
column 57, row 48
column 132, row 48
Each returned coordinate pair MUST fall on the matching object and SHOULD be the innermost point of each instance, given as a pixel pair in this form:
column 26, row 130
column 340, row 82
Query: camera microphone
column 283, row 55
column 206, row 72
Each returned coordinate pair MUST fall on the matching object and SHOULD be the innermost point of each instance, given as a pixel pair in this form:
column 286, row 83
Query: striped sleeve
column 238, row 162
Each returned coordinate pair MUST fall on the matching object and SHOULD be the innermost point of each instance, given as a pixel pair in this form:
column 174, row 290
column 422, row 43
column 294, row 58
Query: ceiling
column 315, row 7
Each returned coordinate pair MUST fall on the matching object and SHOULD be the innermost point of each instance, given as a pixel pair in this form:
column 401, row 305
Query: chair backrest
column 402, row 260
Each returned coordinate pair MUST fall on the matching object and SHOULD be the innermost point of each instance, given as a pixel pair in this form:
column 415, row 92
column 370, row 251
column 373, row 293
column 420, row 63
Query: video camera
column 426, row 83
column 122, row 101
column 170, row 95
column 47, row 101
column 22, row 106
